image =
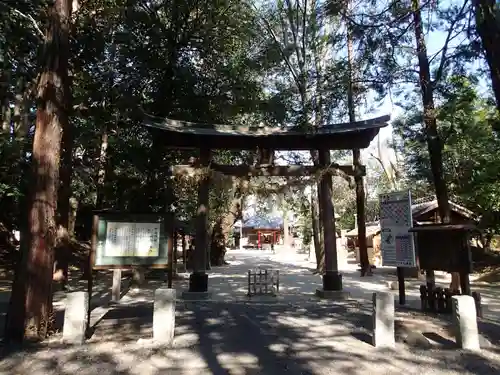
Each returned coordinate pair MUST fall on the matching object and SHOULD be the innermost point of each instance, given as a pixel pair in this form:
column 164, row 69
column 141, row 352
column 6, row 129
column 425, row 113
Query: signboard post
column 396, row 242
column 126, row 241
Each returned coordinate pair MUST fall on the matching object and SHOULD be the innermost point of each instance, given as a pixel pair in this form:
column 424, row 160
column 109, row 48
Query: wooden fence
column 263, row 282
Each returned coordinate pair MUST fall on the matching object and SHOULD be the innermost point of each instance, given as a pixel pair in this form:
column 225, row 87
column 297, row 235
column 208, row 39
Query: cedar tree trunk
column 30, row 310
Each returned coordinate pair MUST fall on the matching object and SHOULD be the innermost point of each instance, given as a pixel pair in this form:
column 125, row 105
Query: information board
column 126, row 240
column 397, row 246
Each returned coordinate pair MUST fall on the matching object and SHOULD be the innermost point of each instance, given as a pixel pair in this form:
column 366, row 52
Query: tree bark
column 286, row 229
column 101, row 171
column 224, row 224
column 62, row 250
column 356, row 161
column 21, row 121
column 34, row 308
column 434, row 142
column 316, row 227
column 5, row 99
column 361, row 218
column 488, row 28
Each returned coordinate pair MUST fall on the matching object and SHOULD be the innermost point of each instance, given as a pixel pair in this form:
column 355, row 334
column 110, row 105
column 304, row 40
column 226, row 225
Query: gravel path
column 252, row 338
column 292, row 334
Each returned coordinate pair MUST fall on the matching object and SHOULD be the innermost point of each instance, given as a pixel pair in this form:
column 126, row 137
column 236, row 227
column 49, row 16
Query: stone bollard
column 164, row 316
column 75, row 317
column 383, row 320
column 465, row 322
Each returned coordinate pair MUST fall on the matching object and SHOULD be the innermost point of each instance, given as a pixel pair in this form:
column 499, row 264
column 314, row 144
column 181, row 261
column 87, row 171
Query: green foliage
column 471, row 150
column 283, row 63
column 194, row 61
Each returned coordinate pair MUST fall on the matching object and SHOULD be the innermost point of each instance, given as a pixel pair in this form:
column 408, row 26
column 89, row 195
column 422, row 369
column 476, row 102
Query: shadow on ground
column 235, row 335
column 244, row 338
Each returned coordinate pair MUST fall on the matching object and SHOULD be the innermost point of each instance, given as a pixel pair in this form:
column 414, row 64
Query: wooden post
column 184, row 250
column 277, row 281
column 265, row 277
column 465, row 283
column 198, row 280
column 170, row 256
column 176, row 240
column 332, row 279
column 117, row 285
column 249, row 283
column 255, row 282
column 361, row 216
column 401, row 283
column 90, row 279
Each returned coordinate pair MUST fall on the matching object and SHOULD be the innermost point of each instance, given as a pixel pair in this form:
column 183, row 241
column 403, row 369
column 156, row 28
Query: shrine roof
column 183, row 134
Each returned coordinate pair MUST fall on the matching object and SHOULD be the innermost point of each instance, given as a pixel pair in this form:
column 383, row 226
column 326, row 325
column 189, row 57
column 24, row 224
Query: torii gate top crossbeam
column 344, row 136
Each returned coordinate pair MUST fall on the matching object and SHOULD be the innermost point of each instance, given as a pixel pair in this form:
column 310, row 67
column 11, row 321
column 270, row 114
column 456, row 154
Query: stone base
column 334, row 295
column 465, row 322
column 383, row 318
column 75, row 318
column 196, row 296
column 332, row 280
column 164, row 316
column 198, row 282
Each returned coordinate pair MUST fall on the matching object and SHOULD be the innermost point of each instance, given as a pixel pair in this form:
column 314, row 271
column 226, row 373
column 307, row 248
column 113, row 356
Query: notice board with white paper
column 397, row 246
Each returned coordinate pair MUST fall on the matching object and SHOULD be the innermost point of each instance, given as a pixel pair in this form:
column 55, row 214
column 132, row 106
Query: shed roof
column 371, row 229
column 417, row 210
column 420, row 209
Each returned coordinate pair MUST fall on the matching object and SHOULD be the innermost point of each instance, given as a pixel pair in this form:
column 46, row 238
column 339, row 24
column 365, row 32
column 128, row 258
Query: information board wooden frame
column 100, row 221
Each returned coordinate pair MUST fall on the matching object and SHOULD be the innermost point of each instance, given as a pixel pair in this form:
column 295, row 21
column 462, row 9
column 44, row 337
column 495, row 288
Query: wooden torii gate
column 207, row 137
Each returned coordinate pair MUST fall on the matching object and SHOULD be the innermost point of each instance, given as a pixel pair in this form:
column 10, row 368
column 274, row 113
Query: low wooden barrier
column 263, row 282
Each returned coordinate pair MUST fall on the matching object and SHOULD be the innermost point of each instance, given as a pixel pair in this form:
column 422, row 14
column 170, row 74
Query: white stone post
column 465, row 322
column 164, row 316
column 75, row 317
column 383, row 320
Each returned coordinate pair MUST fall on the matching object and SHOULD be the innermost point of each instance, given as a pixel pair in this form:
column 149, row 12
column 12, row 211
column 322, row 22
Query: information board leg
column 90, row 282
column 430, row 279
column 465, row 283
column 117, row 285
column 401, row 283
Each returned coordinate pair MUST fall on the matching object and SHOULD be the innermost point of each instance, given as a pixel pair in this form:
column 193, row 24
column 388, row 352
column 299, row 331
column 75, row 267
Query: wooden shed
column 423, row 212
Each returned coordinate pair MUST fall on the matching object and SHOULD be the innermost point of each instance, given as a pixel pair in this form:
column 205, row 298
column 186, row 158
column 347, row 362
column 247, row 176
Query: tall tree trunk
column 361, row 215
column 319, row 249
column 101, row 171
column 30, row 309
column 356, row 160
column 286, row 229
column 62, row 251
column 5, row 116
column 434, row 142
column 488, row 28
column 21, row 120
column 224, row 224
column 5, row 112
